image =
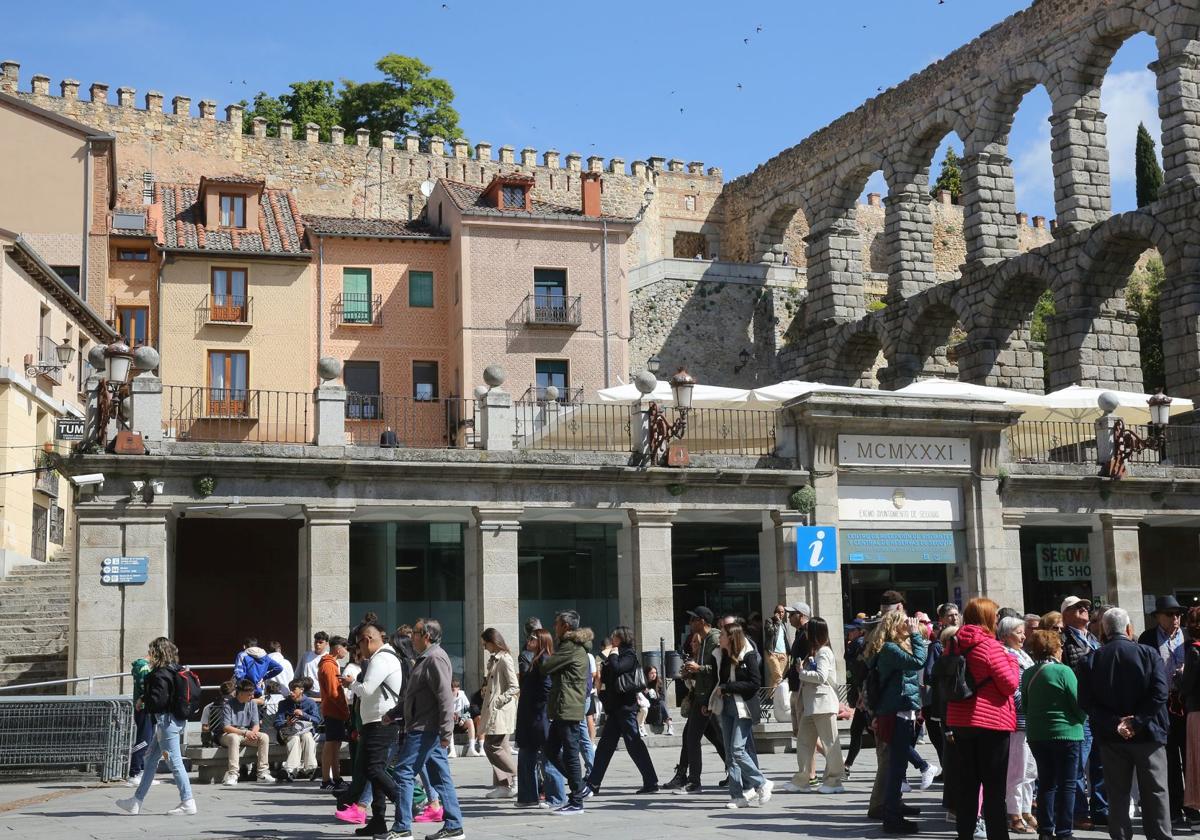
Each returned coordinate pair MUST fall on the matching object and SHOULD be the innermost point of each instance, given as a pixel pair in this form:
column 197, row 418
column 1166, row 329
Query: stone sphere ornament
column 1108, row 402
column 145, row 358
column 494, row 376
column 481, row 391
column 645, row 382
column 551, row 393
column 95, row 358
column 329, row 368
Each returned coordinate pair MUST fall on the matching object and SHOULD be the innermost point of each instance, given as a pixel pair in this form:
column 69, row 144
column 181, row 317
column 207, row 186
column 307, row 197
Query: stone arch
column 781, row 219
column 933, row 324
column 859, row 351
column 998, row 107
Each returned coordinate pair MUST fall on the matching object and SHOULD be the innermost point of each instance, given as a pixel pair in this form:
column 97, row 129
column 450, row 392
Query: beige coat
column 818, row 687
column 500, row 690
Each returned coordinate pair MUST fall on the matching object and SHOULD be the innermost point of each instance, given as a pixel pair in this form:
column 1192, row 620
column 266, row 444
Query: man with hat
column 778, row 635
column 703, row 671
column 1167, row 638
column 1078, row 645
column 798, row 615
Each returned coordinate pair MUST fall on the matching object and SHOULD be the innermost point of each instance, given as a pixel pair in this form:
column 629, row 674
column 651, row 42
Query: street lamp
column 117, row 360
column 115, row 363
column 65, row 352
column 1126, row 443
column 653, row 364
column 662, row 431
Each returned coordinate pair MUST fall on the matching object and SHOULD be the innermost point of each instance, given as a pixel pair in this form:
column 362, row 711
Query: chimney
column 944, row 197
column 1039, row 222
column 591, row 189
column 1022, row 219
column 873, row 199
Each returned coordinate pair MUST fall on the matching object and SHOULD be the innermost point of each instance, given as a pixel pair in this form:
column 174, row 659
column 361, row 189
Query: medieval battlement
column 335, row 177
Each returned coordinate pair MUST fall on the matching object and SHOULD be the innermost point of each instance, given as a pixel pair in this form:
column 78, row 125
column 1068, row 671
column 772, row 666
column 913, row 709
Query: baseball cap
column 702, row 613
column 856, row 624
column 802, row 608
column 1071, row 601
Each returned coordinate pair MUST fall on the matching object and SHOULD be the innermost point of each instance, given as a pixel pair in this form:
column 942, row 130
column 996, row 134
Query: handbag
column 631, row 682
column 781, row 703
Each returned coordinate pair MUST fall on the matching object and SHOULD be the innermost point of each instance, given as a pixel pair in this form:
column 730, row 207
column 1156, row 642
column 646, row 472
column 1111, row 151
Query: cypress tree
column 950, row 177
column 1149, row 173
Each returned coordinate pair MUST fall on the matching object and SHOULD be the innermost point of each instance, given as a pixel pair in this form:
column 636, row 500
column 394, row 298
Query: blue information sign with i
column 817, row 549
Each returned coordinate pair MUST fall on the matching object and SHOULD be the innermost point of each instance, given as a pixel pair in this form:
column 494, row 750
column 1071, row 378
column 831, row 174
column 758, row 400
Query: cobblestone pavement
column 81, row 810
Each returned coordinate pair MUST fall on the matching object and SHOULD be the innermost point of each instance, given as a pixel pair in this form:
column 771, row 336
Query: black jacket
column 797, row 655
column 1189, row 687
column 745, row 680
column 159, row 692
column 1121, row 679
column 1074, row 650
column 622, row 661
column 533, row 725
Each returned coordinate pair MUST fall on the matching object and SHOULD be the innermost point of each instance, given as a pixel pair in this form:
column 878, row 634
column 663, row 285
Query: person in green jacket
column 1054, row 728
column 897, row 651
column 143, row 723
column 567, row 669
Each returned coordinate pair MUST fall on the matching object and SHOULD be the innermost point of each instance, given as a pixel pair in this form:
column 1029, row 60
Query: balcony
column 46, row 481
column 543, row 310
column 46, row 360
column 227, row 309
column 357, row 310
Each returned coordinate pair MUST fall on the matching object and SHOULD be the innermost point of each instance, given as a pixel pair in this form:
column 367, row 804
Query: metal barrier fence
column 232, row 415
column 731, row 431
column 590, row 427
column 387, row 420
column 1062, row 442
column 64, row 734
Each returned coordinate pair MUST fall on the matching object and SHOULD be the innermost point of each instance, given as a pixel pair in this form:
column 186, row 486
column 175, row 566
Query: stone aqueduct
column 1066, row 46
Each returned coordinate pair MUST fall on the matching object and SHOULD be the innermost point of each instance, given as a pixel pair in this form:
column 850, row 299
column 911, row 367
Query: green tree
column 1142, row 296
column 1043, row 309
column 1149, row 173
column 407, row 101
column 950, row 178
column 312, row 101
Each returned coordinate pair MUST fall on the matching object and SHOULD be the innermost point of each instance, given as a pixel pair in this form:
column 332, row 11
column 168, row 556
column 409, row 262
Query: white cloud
column 1128, row 98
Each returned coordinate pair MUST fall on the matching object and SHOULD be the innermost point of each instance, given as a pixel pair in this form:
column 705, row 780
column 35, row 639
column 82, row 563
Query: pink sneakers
column 355, row 814
column 432, row 813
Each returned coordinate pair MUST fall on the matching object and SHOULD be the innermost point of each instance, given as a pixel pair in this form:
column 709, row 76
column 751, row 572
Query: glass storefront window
column 715, row 565
column 1054, row 564
column 924, row 586
column 569, row 565
column 408, row 570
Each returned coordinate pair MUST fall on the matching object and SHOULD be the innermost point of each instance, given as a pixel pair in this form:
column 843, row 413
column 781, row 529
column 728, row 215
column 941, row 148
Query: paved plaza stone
column 78, row 809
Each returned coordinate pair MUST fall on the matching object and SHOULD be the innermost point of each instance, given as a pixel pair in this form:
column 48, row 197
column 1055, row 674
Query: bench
column 209, row 762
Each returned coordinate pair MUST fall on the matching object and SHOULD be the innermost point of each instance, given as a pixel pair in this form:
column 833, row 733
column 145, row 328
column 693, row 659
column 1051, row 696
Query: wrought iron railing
column 227, row 309
column 47, row 361
column 394, row 421
column 730, row 431
column 565, row 395
column 233, row 415
column 1065, row 442
column 594, row 427
column 352, row 308
column 543, row 310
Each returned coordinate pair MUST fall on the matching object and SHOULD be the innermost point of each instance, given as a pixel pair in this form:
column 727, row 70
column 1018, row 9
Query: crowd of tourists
column 1041, row 724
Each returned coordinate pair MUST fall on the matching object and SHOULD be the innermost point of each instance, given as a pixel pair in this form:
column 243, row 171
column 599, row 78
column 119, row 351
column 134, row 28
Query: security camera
column 88, row 480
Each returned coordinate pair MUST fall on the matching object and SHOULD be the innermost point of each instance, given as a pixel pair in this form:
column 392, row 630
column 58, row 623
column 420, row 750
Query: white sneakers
column 764, row 792
column 928, row 775
column 670, row 729
column 500, row 792
column 130, row 805
column 831, row 789
column 740, row 802
column 230, row 780
column 265, row 776
column 792, row 787
column 134, row 781
column 183, row 809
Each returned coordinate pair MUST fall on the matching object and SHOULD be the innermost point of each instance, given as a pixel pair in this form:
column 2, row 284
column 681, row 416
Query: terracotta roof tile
column 280, row 229
column 384, row 228
column 468, row 198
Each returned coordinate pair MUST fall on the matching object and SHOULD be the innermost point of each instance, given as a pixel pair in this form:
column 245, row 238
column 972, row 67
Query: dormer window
column 233, row 210
column 514, row 196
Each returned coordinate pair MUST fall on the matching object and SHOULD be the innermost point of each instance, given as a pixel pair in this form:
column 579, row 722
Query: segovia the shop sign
column 1063, row 561
column 903, row 451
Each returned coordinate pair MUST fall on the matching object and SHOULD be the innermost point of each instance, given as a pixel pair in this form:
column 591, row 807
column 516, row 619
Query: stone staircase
column 35, row 619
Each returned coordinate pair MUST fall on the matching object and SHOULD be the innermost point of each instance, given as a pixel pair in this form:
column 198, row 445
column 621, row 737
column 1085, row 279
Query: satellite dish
column 426, row 188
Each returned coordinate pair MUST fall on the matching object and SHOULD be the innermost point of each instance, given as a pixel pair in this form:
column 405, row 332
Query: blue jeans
column 563, row 750
column 1089, row 768
column 1057, row 764
column 166, row 737
column 587, row 750
column 743, row 772
column 424, row 749
column 902, row 741
column 531, row 762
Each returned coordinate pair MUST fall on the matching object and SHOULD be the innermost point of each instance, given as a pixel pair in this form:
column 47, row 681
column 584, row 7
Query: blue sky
column 625, row 79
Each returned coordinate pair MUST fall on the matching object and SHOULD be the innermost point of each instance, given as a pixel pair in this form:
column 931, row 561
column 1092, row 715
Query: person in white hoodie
column 377, row 688
column 819, row 702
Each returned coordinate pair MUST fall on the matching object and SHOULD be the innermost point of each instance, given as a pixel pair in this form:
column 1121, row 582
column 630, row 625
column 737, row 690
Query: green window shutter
column 356, row 295
column 420, row 288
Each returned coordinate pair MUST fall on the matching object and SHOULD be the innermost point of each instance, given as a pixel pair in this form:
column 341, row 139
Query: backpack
column 873, row 688
column 397, row 712
column 185, row 693
column 952, row 679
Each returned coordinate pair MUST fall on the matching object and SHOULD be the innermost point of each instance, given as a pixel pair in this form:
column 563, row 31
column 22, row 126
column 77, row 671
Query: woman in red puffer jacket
column 981, row 725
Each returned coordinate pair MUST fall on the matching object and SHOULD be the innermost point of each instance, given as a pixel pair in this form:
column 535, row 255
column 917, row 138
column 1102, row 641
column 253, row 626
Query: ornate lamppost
column 1126, row 443
column 662, row 431
column 65, row 352
column 115, row 362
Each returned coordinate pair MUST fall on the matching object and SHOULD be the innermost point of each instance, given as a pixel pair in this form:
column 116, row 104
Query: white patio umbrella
column 952, row 389
column 1078, row 403
column 771, row 396
column 703, row 396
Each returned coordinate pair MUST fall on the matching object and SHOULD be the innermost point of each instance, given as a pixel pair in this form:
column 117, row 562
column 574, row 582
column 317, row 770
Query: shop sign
column 1063, row 561
column 899, row 504
column 902, row 547
column 119, row 570
column 817, row 549
column 69, row 428
column 899, row 451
